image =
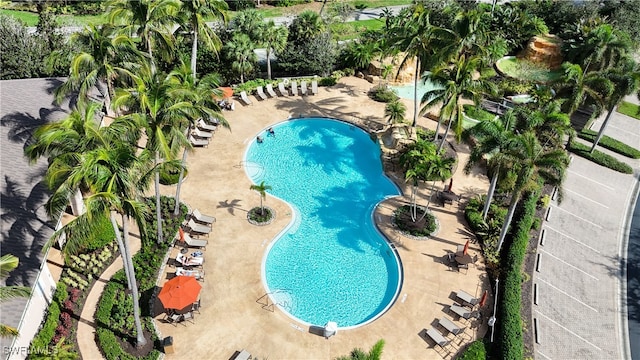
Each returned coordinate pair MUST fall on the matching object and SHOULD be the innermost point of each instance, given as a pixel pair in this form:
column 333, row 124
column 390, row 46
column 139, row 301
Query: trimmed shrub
column 475, row 351
column 327, row 81
column 610, row 143
column 599, row 158
column 424, row 227
column 383, row 94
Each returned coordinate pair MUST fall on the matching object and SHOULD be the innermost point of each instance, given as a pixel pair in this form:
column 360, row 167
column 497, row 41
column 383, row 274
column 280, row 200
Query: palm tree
column 197, row 12
column 627, row 81
column 358, row 354
column 8, row 263
column 61, row 351
column 240, row 49
column 602, row 49
column 262, row 190
column 531, row 161
column 395, row 112
column 249, row 22
column 305, row 27
column 578, row 86
column 102, row 59
column 275, row 39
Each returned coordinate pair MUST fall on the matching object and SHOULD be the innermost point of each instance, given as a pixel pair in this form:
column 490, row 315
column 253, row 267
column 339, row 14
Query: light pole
column 492, row 319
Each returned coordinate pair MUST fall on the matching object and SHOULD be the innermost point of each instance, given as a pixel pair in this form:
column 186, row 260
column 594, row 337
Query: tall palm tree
column 602, row 49
column 249, row 22
column 197, row 12
column 262, row 190
column 438, row 169
column 240, row 49
column 275, row 39
column 8, row 263
column 152, row 21
column 531, row 161
column 578, row 86
column 305, row 27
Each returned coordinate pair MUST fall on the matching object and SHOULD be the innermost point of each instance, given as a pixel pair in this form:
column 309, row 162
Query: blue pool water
column 406, row 91
column 331, row 264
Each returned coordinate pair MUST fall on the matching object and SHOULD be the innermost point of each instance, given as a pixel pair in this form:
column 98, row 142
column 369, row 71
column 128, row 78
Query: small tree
column 395, row 112
column 262, row 190
column 8, row 263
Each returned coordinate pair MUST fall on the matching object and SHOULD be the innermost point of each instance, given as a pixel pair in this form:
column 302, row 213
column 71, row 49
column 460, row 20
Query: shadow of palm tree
column 231, row 206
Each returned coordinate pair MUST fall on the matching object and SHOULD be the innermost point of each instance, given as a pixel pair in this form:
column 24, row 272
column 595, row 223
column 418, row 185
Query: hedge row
column 43, row 339
column 599, row 158
column 610, row 143
column 509, row 313
column 475, row 351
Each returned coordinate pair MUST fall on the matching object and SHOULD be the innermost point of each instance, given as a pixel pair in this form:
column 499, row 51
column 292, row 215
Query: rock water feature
column 544, row 50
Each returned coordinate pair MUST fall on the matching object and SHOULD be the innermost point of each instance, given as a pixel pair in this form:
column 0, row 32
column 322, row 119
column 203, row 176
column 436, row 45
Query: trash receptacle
column 167, row 343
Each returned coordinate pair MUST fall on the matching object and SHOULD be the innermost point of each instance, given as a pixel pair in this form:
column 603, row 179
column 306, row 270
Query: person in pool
column 271, row 132
column 259, row 139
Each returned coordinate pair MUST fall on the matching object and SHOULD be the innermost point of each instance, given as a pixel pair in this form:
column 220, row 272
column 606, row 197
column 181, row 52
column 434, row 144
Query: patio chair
column 314, row 87
column 436, row 336
column 201, row 218
column 173, row 318
column 450, row 326
column 464, row 296
column 270, row 91
column 188, row 316
column 199, row 229
column 303, row 88
column 283, row 91
column 260, row 93
column 201, row 134
column 196, row 306
column 198, row 142
column 461, row 311
column 204, row 126
column 245, row 98
column 294, row 88
column 464, row 267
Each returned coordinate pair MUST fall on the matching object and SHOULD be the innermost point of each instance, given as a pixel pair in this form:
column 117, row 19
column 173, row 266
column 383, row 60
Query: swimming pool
column 331, row 263
column 406, row 91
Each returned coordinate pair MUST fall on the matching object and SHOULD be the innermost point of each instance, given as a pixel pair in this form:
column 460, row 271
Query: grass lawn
column 629, row 109
column 527, row 70
column 353, row 29
column 29, row 18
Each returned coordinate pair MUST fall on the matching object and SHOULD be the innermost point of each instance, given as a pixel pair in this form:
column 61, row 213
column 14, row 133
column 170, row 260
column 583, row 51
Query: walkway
column 577, row 298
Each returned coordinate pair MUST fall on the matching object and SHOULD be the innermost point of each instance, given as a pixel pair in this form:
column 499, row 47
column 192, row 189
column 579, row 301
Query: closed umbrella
column 466, row 248
column 483, row 299
column 180, row 292
column 450, row 185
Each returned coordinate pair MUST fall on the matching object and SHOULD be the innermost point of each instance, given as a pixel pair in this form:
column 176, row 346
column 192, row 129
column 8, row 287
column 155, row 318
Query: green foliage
column 383, row 93
column 327, row 81
column 251, row 85
column 424, row 227
column 475, row 351
column 285, row 3
column 599, row 158
column 256, row 215
column 21, row 57
column 170, row 174
column 315, row 56
column 48, row 329
column 527, row 70
column 103, row 235
column 478, row 113
column 629, row 109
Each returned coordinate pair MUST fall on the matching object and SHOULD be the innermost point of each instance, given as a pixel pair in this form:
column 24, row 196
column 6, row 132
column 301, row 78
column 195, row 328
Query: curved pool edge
column 294, row 216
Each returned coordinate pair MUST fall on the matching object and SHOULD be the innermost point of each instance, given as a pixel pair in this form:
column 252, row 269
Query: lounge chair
column 198, row 142
column 294, row 88
column 283, row 91
column 198, row 274
column 303, row 88
column 195, row 243
column 436, row 336
column 461, row 311
column 314, row 87
column 450, row 326
column 201, row 133
column 245, row 98
column 242, row 355
column 204, row 126
column 201, row 218
column 462, row 295
column 198, row 229
column 260, row 93
column 270, row 91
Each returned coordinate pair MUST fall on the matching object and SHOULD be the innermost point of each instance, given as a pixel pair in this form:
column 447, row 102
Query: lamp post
column 492, row 319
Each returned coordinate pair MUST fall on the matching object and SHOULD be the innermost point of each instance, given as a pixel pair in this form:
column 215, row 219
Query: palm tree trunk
column 151, row 62
column 415, row 94
column 602, row 128
column 446, row 133
column 77, row 203
column 433, row 187
column 158, row 210
column 123, row 253
column 515, row 197
column 194, row 52
column 492, row 189
column 140, row 339
column 269, row 63
column 261, row 207
column 414, row 204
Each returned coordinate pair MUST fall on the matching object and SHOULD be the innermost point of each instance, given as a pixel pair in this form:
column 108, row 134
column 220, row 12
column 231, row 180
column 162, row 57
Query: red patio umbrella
column 483, row 299
column 227, row 92
column 179, row 292
column 466, row 248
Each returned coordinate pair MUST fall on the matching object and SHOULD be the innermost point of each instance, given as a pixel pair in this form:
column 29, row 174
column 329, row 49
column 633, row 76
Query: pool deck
column 233, row 314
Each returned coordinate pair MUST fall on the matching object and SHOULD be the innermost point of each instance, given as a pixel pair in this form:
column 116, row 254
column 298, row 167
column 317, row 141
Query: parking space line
column 597, row 182
column 566, row 294
column 566, row 263
column 624, row 130
column 570, row 238
column 581, row 218
column 569, row 331
column 586, row 198
column 543, row 355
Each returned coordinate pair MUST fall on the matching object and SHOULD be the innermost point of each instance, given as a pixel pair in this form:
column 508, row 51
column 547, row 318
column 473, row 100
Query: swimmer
column 259, row 139
column 271, row 132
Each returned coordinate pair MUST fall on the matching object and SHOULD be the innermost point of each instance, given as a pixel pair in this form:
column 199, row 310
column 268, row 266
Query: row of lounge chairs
column 464, row 311
column 203, row 133
column 260, row 91
column 198, row 224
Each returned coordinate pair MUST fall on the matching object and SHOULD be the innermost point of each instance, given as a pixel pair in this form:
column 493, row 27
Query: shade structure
column 466, row 248
column 450, row 185
column 180, row 292
column 483, row 299
column 227, row 92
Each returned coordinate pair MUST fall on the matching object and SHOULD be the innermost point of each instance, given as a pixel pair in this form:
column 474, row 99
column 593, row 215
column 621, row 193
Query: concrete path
column 86, row 335
column 577, row 286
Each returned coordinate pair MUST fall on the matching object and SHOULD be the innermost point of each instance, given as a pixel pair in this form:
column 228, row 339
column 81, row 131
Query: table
column 464, row 259
column 448, row 197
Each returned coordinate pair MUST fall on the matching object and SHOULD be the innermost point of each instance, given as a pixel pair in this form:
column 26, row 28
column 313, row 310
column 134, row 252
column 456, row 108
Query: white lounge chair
column 201, row 218
column 198, row 228
column 450, row 326
column 198, row 274
column 270, row 91
column 195, row 243
column 314, row 87
column 201, row 134
column 198, row 142
column 283, row 91
column 436, row 336
column 260, row 93
column 294, row 88
column 303, row 88
column 204, row 126
column 245, row 98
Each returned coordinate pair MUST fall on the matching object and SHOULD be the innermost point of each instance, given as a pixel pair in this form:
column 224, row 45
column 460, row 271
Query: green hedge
column 103, row 235
column 599, row 158
column 475, row 351
column 42, row 340
column 610, row 143
column 509, row 327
